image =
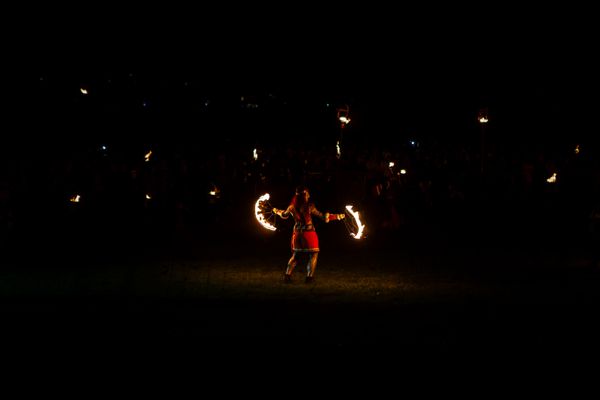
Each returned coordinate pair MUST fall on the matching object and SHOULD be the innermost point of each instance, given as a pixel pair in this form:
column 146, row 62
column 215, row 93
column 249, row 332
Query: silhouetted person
column 595, row 236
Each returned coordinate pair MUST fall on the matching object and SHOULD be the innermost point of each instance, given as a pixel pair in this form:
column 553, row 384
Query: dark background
column 186, row 85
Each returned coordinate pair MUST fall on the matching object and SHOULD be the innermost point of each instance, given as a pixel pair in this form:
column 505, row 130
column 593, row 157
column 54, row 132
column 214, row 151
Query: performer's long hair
column 301, row 206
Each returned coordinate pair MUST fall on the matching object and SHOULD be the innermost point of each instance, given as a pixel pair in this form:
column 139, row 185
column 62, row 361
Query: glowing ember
column 147, row 156
column 259, row 215
column 75, row 199
column 360, row 225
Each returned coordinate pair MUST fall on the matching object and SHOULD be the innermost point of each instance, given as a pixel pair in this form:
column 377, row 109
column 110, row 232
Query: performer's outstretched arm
column 327, row 216
column 334, row 217
column 283, row 214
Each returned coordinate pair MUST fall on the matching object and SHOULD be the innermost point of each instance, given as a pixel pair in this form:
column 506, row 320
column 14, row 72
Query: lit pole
column 482, row 117
column 343, row 115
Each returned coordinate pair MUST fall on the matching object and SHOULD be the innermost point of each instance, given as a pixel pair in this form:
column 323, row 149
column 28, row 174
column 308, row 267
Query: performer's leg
column 312, row 265
column 291, row 264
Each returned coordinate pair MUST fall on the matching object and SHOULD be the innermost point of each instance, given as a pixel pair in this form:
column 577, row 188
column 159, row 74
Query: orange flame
column 259, row 216
column 360, row 225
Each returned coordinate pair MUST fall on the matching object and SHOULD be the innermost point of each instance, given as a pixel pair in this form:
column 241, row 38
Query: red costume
column 304, row 238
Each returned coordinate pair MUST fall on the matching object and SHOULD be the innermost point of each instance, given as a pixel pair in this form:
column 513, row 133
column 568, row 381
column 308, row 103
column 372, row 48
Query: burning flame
column 147, row 156
column 75, row 199
column 214, row 191
column 148, row 197
column 338, row 149
column 83, row 91
column 345, row 120
column 360, row 225
column 259, row 216
column 255, row 154
column 403, row 171
column 552, row 179
column 391, row 164
column 483, row 120
column 577, row 149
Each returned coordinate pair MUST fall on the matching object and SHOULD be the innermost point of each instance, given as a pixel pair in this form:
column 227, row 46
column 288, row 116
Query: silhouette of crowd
column 117, row 191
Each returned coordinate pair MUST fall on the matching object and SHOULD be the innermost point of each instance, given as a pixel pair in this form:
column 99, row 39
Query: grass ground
column 402, row 293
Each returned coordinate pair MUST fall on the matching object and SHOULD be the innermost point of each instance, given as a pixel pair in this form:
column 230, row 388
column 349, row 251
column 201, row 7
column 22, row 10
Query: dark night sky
column 431, row 68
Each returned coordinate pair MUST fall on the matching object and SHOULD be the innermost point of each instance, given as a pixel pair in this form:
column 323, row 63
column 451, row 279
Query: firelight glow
column 259, row 216
column 552, row 179
column 360, row 225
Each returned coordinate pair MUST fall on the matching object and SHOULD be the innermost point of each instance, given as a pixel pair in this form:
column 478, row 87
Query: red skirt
column 306, row 241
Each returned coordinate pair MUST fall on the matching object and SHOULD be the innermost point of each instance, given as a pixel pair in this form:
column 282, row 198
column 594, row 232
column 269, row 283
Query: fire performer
column 304, row 237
